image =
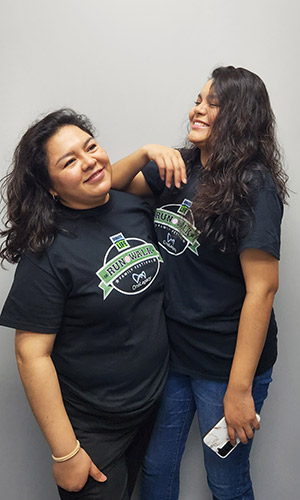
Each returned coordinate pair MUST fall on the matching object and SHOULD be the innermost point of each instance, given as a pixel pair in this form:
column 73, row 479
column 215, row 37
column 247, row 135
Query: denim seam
column 175, row 461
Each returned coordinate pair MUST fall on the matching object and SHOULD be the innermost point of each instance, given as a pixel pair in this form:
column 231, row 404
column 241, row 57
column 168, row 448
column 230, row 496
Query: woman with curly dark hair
column 93, row 378
column 219, row 232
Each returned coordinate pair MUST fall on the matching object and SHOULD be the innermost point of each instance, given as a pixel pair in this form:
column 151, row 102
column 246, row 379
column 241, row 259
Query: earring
column 55, row 198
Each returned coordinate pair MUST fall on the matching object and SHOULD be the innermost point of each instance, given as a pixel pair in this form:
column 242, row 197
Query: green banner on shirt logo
column 114, row 268
column 175, row 221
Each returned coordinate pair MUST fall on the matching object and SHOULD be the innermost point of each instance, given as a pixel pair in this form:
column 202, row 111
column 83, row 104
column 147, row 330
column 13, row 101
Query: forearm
column 127, row 175
column 253, row 327
column 124, row 170
column 43, row 392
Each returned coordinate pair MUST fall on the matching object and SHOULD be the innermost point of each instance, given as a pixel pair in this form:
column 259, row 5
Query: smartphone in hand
column 217, row 438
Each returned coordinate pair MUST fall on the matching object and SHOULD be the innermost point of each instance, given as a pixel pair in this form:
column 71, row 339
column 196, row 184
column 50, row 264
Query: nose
column 200, row 108
column 88, row 161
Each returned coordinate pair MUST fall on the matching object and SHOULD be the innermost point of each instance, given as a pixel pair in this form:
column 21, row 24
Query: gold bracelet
column 70, row 455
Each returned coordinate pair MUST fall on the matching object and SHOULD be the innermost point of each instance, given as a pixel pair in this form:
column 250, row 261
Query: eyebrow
column 70, row 153
column 209, row 96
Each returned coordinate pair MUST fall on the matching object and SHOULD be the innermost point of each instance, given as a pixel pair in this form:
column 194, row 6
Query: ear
column 53, row 192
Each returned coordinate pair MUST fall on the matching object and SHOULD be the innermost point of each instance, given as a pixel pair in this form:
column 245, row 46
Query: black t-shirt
column 205, row 288
column 99, row 287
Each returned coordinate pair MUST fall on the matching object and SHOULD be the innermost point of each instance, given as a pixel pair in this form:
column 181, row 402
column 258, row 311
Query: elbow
column 274, row 289
column 271, row 287
column 31, row 347
column 20, row 357
column 26, row 361
column 22, row 361
column 269, row 295
column 264, row 291
column 23, row 358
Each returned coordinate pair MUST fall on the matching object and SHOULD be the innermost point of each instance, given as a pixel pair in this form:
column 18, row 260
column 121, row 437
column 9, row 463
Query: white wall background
column 134, row 67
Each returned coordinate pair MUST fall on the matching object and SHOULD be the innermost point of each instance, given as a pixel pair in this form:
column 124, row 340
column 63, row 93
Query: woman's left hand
column 239, row 411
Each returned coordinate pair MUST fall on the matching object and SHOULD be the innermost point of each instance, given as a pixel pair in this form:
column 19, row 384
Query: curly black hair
column 30, row 218
column 241, row 146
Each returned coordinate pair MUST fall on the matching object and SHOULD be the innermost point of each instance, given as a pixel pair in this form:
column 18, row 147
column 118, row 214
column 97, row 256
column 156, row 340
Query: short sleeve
column 264, row 231
column 152, row 177
column 36, row 299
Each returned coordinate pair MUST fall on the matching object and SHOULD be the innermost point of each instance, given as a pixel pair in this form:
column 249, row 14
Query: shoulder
column 258, row 177
column 262, row 231
column 190, row 154
column 152, row 178
column 131, row 207
column 35, row 262
column 125, row 198
column 263, row 190
column 191, row 158
column 124, row 201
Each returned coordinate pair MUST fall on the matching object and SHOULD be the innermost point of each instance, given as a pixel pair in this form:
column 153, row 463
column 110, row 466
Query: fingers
column 231, row 434
column 73, row 474
column 172, row 168
column 170, row 164
column 244, row 433
column 170, row 172
column 179, row 171
column 97, row 474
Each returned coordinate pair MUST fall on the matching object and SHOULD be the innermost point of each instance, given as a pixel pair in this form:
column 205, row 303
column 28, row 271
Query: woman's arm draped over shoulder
column 38, row 375
column 127, row 175
column 260, row 270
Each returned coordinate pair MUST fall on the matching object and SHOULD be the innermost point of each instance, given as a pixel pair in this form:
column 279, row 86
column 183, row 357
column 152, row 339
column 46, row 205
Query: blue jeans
column 229, row 478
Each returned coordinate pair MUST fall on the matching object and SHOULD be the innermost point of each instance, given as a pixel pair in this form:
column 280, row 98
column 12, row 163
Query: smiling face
column 202, row 116
column 79, row 168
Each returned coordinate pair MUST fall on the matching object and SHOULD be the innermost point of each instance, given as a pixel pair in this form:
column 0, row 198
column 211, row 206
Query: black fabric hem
column 28, row 327
column 259, row 246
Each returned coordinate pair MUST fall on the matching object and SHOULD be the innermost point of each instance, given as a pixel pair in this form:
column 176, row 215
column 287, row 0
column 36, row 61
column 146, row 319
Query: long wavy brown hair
column 241, row 146
column 30, row 218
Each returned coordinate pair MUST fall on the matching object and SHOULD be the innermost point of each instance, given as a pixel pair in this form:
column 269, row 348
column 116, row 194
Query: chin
column 197, row 141
column 107, row 186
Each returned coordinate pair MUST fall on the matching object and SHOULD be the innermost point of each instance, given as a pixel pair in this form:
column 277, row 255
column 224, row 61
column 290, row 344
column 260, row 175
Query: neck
column 85, row 206
column 203, row 156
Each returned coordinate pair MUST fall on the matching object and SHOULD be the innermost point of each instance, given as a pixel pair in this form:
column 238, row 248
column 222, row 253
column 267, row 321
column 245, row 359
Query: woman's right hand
column 170, row 163
column 73, row 474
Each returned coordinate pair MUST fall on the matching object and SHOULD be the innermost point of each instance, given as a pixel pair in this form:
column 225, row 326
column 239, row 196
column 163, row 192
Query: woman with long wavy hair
column 218, row 228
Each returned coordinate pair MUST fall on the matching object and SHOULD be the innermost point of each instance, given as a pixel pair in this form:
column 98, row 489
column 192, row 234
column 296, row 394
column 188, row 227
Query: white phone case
column 217, row 439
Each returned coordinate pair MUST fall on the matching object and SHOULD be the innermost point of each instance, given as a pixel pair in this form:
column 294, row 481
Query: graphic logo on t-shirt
column 130, row 266
column 174, row 231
